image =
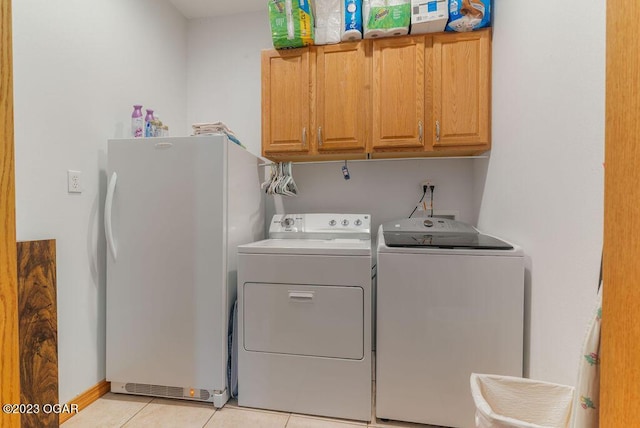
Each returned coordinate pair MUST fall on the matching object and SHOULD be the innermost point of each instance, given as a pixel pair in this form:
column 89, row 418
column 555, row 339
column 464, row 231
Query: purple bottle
column 148, row 124
column 137, row 124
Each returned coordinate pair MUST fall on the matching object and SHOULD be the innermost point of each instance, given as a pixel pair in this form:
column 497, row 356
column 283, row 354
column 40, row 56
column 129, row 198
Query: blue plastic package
column 353, row 15
column 469, row 15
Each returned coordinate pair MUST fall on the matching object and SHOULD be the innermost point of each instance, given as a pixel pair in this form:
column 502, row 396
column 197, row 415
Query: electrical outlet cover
column 74, row 182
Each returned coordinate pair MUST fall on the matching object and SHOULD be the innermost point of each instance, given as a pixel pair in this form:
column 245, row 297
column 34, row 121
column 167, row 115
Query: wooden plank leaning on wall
column 620, row 381
column 38, row 321
column 9, row 373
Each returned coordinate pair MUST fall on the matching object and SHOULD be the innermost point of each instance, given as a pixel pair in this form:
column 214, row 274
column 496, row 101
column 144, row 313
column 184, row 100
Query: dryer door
column 321, row 321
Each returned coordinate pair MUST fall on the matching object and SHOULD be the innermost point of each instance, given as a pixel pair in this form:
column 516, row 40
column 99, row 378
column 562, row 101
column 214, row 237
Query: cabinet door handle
column 420, row 131
column 320, row 136
column 304, row 137
column 437, row 130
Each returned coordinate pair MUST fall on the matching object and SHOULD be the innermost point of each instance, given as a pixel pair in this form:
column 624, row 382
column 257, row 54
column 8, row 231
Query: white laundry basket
column 505, row 402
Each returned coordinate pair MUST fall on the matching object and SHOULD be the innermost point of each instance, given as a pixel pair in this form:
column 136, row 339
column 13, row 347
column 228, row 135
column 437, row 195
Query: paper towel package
column 291, row 23
column 351, row 20
column 328, row 21
column 384, row 18
column 469, row 15
column 429, row 16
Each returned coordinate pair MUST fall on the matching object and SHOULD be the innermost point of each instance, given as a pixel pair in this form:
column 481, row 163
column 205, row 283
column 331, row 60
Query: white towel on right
column 586, row 402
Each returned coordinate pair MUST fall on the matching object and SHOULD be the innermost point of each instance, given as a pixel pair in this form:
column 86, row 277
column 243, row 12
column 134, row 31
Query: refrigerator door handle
column 108, row 229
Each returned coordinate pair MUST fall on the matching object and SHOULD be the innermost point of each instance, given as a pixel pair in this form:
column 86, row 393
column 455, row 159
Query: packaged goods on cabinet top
column 386, row 18
column 469, row 15
column 429, row 16
column 291, row 23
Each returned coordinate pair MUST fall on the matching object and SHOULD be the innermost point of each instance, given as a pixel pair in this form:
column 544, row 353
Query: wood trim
column 265, row 75
column 429, row 95
column 620, row 346
column 9, row 361
column 86, row 398
column 311, row 94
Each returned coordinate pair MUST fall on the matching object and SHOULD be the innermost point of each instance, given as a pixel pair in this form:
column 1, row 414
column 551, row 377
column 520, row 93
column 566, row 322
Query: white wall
column 224, row 73
column 79, row 68
column 543, row 186
column 387, row 190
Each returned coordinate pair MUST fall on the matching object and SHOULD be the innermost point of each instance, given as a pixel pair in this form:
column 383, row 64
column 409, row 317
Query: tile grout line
column 339, row 421
column 215, row 410
column 287, row 422
column 134, row 415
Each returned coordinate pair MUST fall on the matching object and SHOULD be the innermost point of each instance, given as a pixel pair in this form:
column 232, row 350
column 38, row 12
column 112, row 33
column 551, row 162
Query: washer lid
column 436, row 232
column 331, row 247
column 473, row 241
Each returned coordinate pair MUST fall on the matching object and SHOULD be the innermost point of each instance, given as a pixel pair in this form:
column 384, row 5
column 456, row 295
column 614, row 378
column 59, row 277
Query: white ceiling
column 206, row 8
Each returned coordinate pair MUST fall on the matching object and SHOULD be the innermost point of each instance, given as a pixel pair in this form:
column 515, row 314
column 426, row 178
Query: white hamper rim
column 559, row 412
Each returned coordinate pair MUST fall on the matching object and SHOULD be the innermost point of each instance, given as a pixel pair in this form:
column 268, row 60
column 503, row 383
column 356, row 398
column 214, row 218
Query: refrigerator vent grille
column 156, row 390
column 166, row 391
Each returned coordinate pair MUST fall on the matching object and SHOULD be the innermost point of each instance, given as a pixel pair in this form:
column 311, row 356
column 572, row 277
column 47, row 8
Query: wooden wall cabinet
column 426, row 95
column 342, row 101
column 316, row 102
column 398, row 93
column 286, row 108
column 462, row 90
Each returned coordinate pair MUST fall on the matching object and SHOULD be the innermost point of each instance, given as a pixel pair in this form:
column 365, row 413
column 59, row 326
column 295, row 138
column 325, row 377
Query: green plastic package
column 291, row 23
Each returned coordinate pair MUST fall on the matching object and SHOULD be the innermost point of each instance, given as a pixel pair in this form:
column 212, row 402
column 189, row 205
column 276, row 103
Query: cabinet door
column 398, row 93
column 342, row 102
column 285, row 101
column 461, row 81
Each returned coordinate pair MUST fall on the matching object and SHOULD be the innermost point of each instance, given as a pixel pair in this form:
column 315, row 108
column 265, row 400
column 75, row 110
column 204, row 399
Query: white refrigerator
column 175, row 211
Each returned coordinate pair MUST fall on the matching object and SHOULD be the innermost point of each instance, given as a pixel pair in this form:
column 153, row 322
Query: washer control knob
column 428, row 223
column 345, row 222
column 358, row 222
column 287, row 222
column 332, row 223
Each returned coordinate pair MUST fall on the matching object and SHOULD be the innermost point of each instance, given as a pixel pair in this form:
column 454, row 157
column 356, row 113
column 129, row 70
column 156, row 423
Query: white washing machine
column 450, row 301
column 304, row 317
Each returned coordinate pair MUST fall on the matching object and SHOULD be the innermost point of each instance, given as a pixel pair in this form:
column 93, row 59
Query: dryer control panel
column 320, row 226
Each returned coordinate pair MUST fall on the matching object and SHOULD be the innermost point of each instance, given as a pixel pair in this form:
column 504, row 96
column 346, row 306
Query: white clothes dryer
column 304, row 317
column 450, row 302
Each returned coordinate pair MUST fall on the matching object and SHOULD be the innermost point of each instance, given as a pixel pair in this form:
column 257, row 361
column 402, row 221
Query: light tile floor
column 118, row 410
